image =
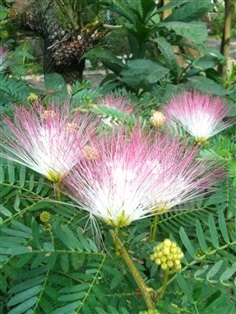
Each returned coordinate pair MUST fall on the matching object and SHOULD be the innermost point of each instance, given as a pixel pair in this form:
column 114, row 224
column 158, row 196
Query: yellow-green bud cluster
column 149, row 312
column 32, row 97
column 45, row 216
column 168, row 255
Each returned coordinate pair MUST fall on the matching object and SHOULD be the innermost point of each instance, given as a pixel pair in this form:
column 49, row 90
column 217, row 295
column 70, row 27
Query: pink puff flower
column 48, row 140
column 133, row 175
column 201, row 115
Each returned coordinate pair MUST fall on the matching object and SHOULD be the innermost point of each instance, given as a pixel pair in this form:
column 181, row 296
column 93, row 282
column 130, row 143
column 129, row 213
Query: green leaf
column 52, row 260
column 187, row 243
column 16, row 233
column 11, row 171
column 64, row 261
column 36, row 234
column 217, row 305
column 228, row 273
column 16, row 202
column 23, row 307
column 3, row 283
column 68, row 238
column 107, row 58
column 2, row 174
column 68, row 308
column 76, row 288
column 72, row 296
column 27, row 284
column 194, row 31
column 22, row 174
column 24, row 295
column 4, row 211
column 201, row 236
column 214, row 270
column 223, row 226
column 213, row 231
column 206, row 85
column 190, row 11
column 55, row 82
column 142, row 74
column 184, row 287
column 170, row 58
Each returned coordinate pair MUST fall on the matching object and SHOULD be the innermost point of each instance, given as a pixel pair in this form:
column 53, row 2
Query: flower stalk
column 154, row 228
column 164, row 285
column 147, row 292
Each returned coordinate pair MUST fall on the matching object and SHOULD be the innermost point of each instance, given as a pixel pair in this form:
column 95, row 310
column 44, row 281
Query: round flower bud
column 163, row 259
column 173, row 250
column 170, row 264
column 166, row 250
column 32, row 98
column 157, row 119
column 164, row 266
column 170, row 257
column 45, row 216
column 167, row 243
column 159, row 254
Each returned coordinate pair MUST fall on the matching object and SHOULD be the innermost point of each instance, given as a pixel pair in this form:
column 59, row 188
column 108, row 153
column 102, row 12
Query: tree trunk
column 225, row 42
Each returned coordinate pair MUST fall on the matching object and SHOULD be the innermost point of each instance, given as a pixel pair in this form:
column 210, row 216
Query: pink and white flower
column 49, row 141
column 201, row 115
column 135, row 175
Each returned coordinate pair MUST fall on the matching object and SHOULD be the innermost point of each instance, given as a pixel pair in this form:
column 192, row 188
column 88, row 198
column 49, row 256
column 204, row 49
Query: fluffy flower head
column 201, row 115
column 48, row 140
column 135, row 175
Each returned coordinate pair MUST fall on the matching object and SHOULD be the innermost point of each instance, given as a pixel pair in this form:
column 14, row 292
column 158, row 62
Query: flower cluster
column 200, row 115
column 137, row 174
column 168, row 255
column 48, row 140
column 118, row 177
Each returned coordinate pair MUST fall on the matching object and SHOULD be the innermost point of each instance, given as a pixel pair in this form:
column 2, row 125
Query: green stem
column 146, row 292
column 154, row 228
column 165, row 281
column 117, row 240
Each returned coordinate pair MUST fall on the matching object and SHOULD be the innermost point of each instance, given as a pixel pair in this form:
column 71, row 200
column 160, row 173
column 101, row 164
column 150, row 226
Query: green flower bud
column 45, row 216
column 168, row 255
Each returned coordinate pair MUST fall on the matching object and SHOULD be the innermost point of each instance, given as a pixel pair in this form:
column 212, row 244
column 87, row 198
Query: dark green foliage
column 162, row 44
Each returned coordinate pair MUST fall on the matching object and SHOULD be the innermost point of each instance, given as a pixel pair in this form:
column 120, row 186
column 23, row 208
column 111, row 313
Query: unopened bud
column 168, row 255
column 32, row 98
column 45, row 216
column 157, row 119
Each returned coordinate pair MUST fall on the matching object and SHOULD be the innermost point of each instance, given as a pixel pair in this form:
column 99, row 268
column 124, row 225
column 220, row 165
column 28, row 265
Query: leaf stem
column 147, row 292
